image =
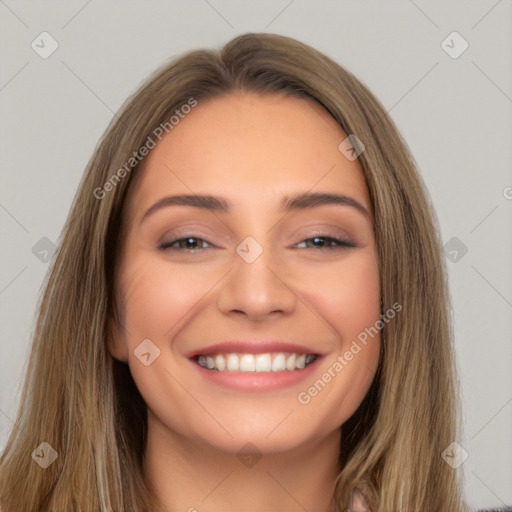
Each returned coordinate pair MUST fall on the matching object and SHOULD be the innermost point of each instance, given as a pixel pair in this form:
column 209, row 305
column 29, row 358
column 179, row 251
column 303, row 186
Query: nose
column 259, row 288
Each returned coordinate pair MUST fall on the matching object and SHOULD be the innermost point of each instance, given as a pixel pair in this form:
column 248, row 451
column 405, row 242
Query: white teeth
column 263, row 362
column 279, row 363
column 233, row 363
column 246, row 363
column 301, row 361
column 220, row 363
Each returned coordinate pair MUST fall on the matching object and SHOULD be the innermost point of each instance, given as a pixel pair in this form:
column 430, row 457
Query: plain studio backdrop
column 442, row 69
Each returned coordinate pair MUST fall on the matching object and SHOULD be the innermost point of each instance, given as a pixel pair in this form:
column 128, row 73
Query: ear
column 117, row 342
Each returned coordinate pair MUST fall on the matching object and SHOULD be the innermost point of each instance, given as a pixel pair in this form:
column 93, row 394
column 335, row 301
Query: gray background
column 453, row 112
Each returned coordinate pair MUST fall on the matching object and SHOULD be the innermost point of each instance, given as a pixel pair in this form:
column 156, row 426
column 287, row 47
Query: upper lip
column 253, row 347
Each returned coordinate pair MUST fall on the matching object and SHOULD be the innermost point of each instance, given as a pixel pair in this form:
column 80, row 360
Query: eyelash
column 342, row 244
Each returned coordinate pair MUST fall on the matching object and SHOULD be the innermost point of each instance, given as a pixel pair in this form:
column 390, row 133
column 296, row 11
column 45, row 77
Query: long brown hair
column 85, row 405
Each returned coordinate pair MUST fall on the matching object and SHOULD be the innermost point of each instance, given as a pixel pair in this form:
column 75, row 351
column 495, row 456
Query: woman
column 248, row 310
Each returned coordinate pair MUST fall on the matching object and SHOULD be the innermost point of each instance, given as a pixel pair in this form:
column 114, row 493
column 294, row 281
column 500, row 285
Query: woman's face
column 264, row 278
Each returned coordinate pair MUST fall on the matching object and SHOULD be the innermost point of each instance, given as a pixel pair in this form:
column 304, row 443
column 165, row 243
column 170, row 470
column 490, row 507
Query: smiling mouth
column 255, row 363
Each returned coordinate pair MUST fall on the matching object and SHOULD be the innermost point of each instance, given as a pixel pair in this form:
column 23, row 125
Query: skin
column 252, row 150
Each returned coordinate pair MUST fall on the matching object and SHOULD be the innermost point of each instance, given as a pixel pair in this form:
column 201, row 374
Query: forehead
column 245, row 145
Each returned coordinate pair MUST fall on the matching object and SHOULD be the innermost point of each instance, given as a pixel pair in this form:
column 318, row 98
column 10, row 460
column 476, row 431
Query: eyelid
column 328, row 231
column 305, row 232
column 188, row 232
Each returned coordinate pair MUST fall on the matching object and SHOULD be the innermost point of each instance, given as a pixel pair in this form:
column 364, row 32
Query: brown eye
column 188, row 243
column 325, row 242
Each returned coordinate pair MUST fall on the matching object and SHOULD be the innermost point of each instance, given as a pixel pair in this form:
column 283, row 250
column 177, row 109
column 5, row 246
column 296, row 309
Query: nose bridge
column 257, row 285
column 255, row 260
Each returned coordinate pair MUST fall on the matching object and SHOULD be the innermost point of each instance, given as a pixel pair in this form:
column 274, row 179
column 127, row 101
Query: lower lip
column 257, row 381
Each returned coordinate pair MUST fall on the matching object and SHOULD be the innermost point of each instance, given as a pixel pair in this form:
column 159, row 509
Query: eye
column 193, row 243
column 188, row 243
column 320, row 242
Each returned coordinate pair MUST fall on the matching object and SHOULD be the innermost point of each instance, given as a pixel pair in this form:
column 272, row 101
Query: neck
column 192, row 476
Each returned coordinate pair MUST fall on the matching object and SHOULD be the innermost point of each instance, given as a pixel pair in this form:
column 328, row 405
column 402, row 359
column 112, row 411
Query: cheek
column 346, row 295
column 359, row 300
column 347, row 299
column 159, row 297
column 357, row 317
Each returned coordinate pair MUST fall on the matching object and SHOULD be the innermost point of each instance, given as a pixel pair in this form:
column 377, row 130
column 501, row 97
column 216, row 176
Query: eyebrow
column 288, row 204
